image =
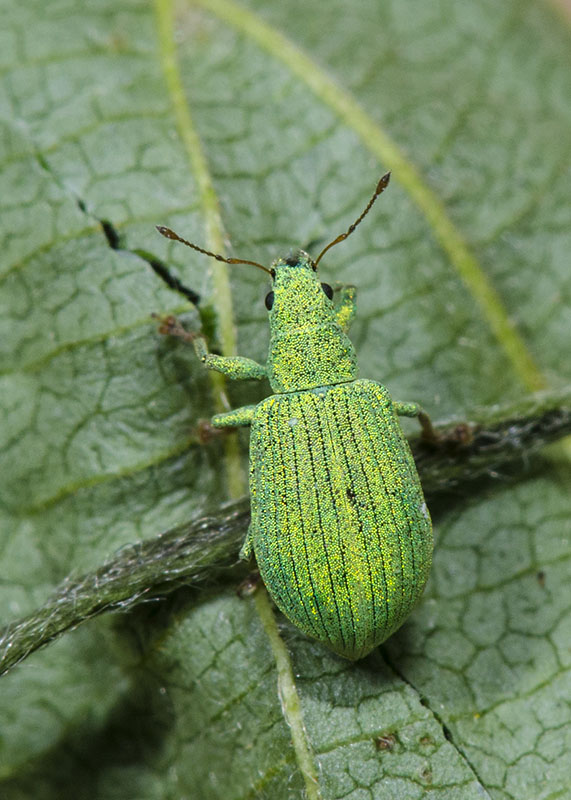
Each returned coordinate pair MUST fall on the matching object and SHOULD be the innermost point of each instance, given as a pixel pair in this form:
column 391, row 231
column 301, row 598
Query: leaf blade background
column 97, row 410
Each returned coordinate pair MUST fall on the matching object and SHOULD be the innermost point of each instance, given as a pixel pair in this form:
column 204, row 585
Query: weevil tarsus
column 170, row 325
column 414, row 410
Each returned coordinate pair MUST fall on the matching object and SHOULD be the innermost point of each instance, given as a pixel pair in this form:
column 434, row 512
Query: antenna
column 168, row 234
column 381, row 186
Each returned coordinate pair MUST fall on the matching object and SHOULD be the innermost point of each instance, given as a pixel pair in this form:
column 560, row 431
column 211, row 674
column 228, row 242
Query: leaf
column 265, row 128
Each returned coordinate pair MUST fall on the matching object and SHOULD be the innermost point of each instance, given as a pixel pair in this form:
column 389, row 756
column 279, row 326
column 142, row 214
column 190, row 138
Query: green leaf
column 258, row 127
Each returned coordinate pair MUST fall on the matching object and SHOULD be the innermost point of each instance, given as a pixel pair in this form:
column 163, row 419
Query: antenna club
column 384, row 182
column 166, row 232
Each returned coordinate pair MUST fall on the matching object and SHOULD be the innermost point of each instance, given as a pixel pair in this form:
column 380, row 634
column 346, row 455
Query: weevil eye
column 328, row 290
column 269, row 300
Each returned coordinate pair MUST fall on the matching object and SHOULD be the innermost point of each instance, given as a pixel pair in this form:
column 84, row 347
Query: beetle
column 339, row 525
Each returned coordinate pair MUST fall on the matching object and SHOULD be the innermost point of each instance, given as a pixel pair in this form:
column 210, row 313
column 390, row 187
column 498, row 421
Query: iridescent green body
column 339, row 527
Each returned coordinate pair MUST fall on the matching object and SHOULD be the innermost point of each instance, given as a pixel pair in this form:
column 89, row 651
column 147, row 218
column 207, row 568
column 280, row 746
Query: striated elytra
column 339, row 528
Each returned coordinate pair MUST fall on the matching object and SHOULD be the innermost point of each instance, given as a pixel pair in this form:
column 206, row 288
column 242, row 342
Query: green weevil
column 339, row 526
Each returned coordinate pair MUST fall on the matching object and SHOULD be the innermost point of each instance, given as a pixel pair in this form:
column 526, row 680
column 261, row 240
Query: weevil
column 339, row 526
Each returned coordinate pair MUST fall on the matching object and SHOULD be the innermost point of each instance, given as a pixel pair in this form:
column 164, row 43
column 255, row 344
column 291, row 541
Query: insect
column 339, row 526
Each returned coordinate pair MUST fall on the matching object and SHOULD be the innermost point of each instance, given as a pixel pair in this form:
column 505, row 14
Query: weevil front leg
column 234, row 367
column 345, row 305
column 414, row 410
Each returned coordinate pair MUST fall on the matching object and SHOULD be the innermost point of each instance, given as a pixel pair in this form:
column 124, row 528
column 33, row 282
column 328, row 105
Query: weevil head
column 307, row 345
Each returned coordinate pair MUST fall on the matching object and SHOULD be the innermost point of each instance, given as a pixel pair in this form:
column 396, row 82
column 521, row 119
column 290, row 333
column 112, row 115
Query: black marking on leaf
column 172, row 281
column 447, row 733
column 111, row 234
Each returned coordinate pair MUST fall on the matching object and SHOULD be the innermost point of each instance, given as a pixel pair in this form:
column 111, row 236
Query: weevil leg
column 345, row 305
column 238, row 417
column 234, row 367
column 248, row 546
column 414, row 410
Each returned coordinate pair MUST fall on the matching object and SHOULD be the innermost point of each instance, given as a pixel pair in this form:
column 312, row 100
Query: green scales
column 340, row 529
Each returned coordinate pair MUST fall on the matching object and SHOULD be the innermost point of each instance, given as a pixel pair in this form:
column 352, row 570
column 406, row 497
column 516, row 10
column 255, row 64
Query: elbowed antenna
column 381, row 186
column 169, row 234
